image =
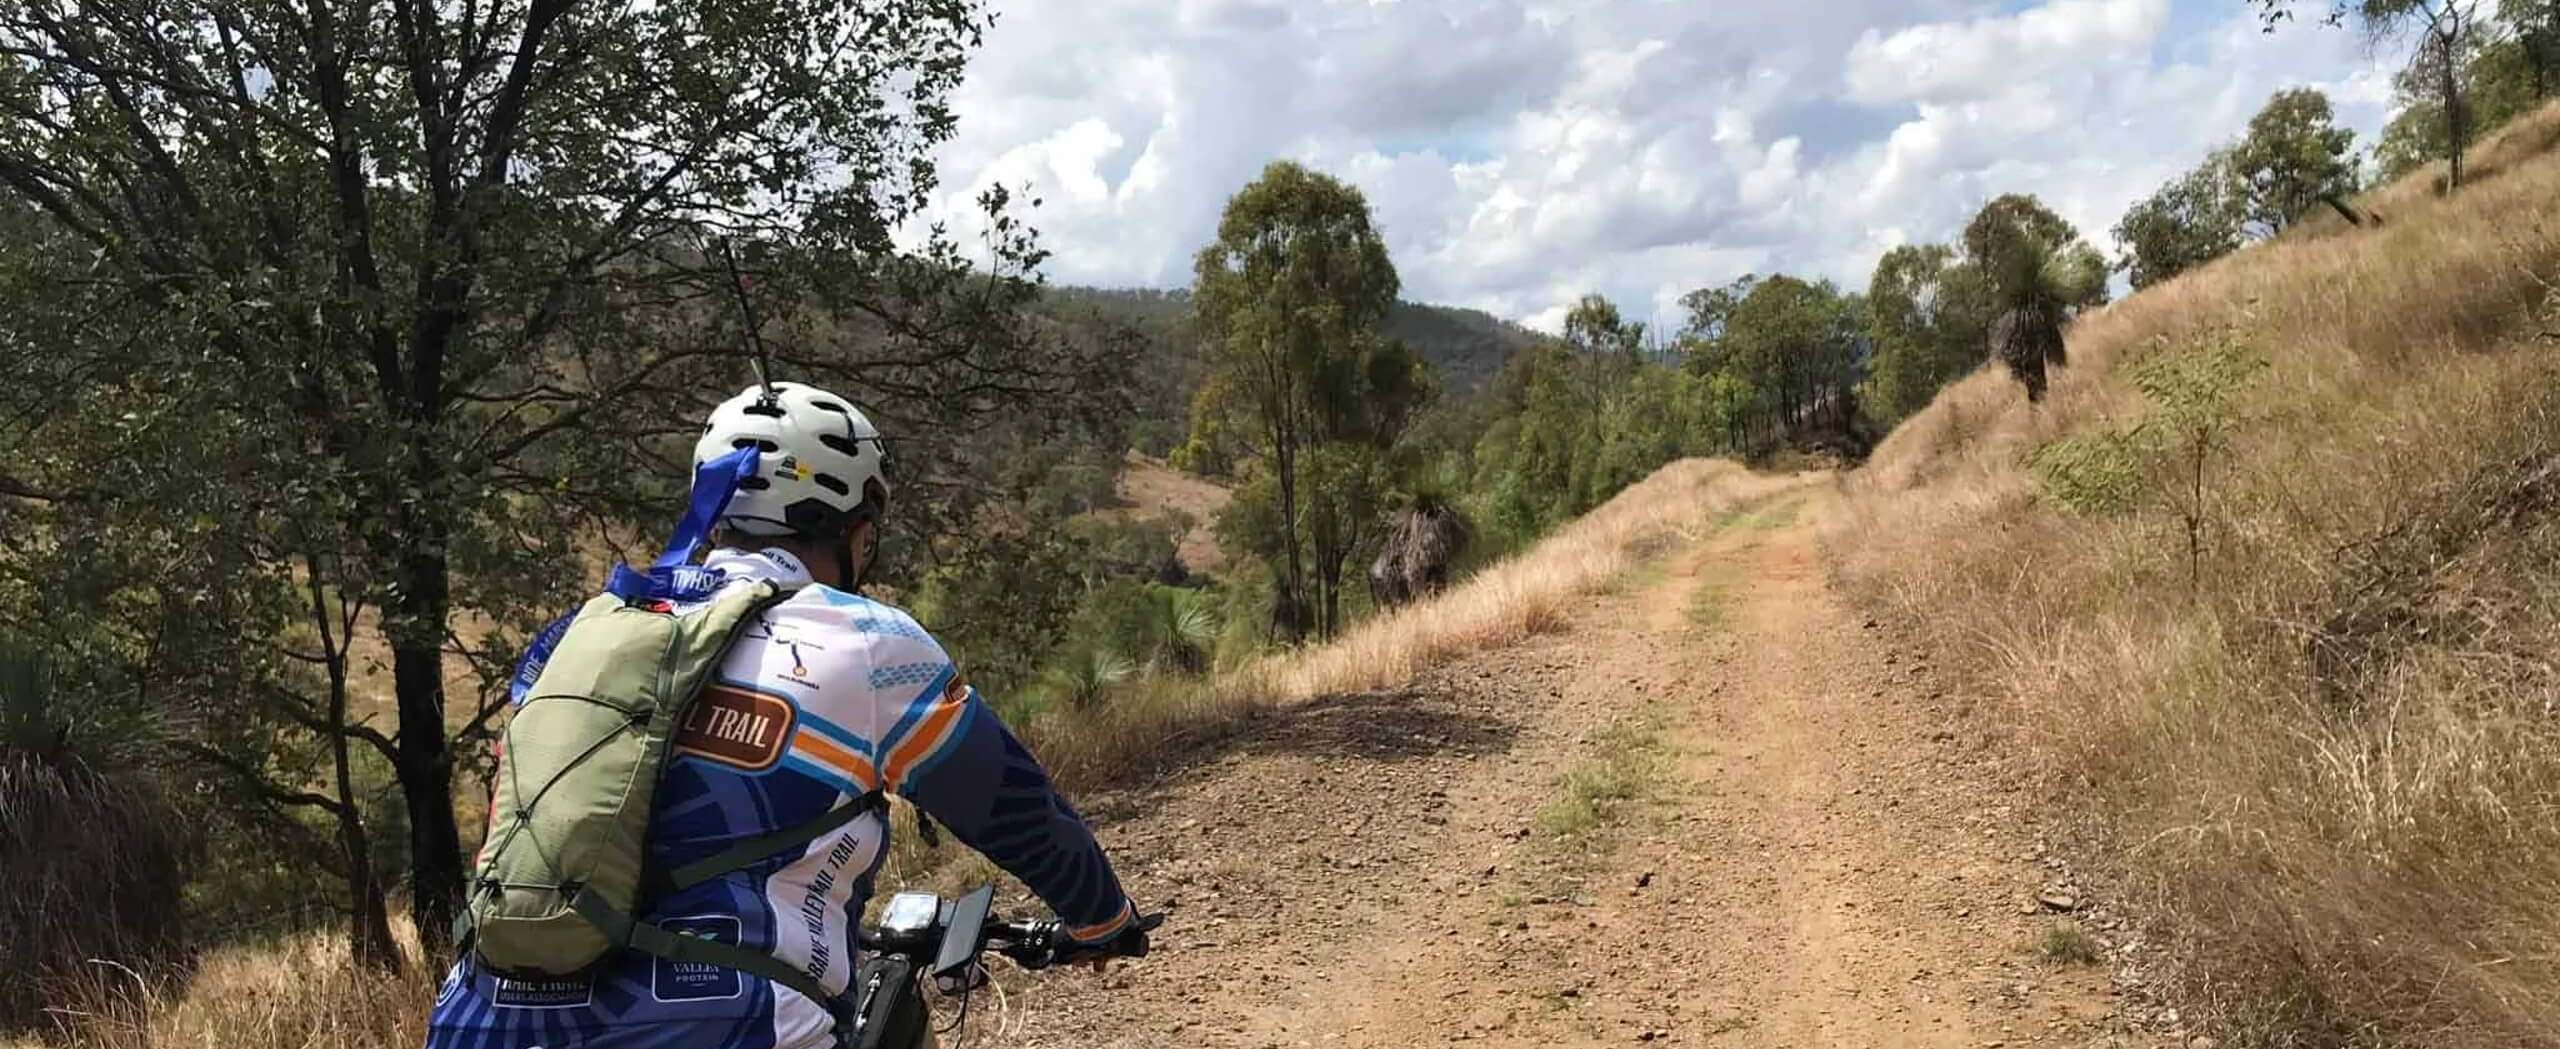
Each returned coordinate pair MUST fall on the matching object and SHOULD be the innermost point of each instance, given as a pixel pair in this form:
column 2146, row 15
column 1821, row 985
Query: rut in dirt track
column 1828, row 858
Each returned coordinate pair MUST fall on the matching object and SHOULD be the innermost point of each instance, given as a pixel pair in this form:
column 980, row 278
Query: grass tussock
column 1597, row 799
column 2065, row 943
column 1596, row 796
column 2299, row 668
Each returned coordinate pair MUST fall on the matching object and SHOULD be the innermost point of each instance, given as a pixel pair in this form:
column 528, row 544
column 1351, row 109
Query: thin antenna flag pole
column 756, row 356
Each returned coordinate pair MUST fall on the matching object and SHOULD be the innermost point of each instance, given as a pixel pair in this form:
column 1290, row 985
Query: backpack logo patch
column 735, row 727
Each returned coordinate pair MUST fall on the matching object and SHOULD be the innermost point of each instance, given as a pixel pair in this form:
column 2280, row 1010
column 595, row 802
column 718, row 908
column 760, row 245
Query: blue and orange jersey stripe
column 931, row 722
column 826, row 750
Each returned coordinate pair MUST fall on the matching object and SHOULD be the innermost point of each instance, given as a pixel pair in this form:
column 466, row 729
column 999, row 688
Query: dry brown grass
column 2332, row 767
column 298, row 993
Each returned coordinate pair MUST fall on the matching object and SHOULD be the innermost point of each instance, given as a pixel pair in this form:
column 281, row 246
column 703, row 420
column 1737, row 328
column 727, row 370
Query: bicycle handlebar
column 923, row 928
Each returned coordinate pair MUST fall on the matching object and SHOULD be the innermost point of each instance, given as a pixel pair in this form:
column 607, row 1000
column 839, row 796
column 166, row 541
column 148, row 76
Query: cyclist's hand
column 1130, row 943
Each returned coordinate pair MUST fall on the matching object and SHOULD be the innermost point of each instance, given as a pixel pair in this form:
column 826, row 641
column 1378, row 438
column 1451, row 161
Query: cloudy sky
column 1517, row 153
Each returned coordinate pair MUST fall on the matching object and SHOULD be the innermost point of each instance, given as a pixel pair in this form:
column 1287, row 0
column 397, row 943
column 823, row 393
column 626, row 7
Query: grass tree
column 2040, row 274
column 86, row 834
column 1086, row 676
column 1182, row 628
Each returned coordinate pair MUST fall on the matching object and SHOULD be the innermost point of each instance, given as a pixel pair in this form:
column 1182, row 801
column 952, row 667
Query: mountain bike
column 923, row 940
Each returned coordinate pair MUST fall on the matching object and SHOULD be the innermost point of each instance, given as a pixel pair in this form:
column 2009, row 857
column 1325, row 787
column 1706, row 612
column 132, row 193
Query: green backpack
column 565, row 870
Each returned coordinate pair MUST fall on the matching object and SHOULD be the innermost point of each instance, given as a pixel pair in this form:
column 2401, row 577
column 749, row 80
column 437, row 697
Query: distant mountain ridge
column 1467, row 346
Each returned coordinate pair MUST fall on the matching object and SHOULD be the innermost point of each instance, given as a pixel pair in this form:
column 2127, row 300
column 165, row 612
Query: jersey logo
column 734, row 727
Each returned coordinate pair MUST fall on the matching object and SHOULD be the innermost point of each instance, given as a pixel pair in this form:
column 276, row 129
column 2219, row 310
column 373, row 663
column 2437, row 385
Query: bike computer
column 960, row 942
column 910, row 914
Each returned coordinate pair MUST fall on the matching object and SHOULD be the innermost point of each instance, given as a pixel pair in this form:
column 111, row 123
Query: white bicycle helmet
column 821, row 459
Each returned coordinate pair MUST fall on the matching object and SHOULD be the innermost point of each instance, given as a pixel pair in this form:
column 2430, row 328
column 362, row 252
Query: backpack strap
column 676, row 947
column 764, row 846
column 656, row 940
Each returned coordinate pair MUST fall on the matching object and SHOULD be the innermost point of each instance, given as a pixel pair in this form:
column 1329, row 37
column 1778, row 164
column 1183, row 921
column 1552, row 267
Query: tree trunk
column 1332, row 611
column 369, row 921
column 1289, row 608
column 415, row 623
column 1333, row 550
column 2449, row 87
column 2546, row 63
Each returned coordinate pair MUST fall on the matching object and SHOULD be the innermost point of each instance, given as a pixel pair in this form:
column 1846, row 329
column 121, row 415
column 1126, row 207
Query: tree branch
column 31, row 182
column 354, row 212
column 258, row 781
column 296, row 712
column 577, row 415
column 506, row 118
column 17, row 489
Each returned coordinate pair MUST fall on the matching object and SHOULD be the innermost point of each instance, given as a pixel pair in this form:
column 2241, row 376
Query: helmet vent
column 767, row 447
column 769, row 411
column 755, row 484
column 830, row 483
column 831, row 406
column 847, row 445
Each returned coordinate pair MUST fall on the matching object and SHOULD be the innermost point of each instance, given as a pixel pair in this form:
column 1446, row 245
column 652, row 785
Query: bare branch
column 506, row 120
column 258, row 781
column 577, row 415
column 296, row 712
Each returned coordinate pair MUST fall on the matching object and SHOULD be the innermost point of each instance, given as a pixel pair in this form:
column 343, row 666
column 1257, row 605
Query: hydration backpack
column 600, row 699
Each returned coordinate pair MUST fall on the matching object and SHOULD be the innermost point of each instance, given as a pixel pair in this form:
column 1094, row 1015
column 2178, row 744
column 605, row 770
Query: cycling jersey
column 827, row 696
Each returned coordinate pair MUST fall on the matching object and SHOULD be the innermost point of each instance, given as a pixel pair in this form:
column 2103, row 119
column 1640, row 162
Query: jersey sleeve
column 961, row 765
column 934, row 742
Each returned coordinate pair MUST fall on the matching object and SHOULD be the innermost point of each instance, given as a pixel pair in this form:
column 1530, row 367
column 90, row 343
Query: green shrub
column 2097, row 473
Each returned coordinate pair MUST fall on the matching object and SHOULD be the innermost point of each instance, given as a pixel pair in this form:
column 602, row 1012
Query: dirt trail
column 1828, row 859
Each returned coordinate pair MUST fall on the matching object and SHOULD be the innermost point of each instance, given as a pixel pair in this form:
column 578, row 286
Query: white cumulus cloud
column 1519, row 154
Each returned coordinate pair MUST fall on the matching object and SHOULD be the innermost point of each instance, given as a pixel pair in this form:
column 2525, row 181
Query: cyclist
column 827, row 698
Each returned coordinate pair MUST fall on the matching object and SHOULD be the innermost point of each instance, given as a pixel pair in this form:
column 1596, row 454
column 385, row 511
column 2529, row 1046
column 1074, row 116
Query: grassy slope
column 2331, row 764
column 1149, row 488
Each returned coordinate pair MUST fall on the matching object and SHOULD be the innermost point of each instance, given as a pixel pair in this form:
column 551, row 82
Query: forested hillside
column 1464, row 348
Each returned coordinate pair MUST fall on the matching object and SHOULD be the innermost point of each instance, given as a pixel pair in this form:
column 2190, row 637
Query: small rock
column 1570, row 992
column 1644, row 879
column 2202, row 1042
column 2060, row 901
